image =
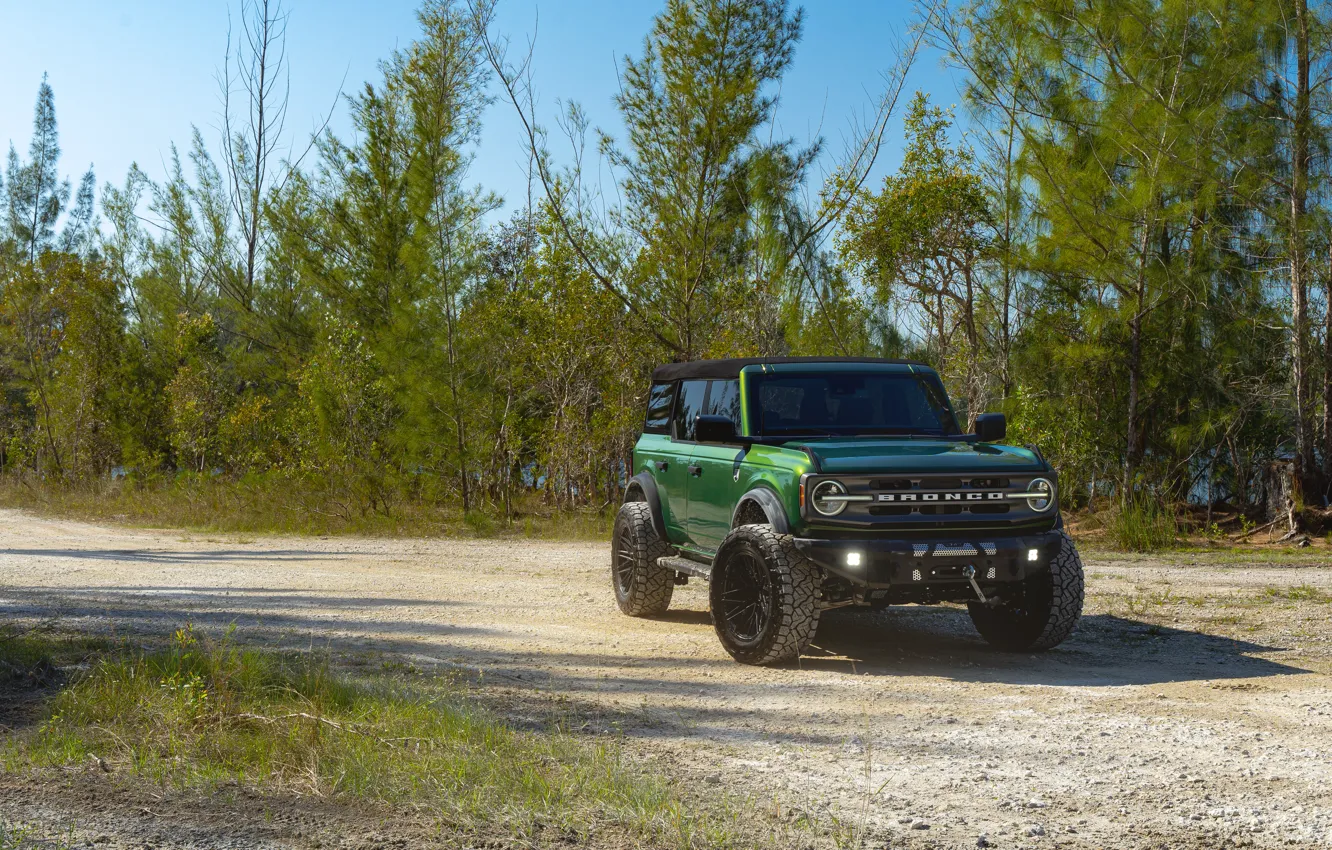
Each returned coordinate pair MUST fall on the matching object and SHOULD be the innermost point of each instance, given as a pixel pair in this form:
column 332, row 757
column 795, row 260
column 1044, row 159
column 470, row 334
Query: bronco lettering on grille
column 970, row 496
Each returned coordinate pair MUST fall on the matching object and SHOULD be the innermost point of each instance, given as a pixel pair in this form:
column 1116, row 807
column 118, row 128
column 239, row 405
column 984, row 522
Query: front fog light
column 1033, row 554
column 853, row 559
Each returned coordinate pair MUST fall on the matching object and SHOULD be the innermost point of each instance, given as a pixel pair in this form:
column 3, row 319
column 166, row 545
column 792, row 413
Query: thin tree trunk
column 975, row 398
column 457, row 402
column 1305, row 469
column 1006, row 330
column 1327, row 374
column 1131, row 438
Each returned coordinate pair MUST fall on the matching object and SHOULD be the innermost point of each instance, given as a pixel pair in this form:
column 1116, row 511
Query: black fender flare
column 770, row 505
column 643, row 484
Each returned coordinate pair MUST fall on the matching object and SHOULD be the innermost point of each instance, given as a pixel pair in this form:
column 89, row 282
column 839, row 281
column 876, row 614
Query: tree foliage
column 1126, row 251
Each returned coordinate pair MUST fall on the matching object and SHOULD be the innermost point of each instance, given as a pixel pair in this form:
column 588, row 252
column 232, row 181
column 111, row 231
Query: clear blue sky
column 131, row 76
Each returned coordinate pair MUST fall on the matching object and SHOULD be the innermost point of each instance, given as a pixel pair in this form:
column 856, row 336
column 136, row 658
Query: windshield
column 833, row 404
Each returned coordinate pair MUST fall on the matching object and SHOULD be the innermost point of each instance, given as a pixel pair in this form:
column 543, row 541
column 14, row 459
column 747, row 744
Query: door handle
column 695, row 471
column 661, row 465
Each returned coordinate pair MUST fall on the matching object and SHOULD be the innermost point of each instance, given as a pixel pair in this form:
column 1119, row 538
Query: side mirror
column 991, row 427
column 714, row 429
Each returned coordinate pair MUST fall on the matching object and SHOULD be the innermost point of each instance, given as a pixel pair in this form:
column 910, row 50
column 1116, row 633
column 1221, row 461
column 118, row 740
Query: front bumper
column 935, row 562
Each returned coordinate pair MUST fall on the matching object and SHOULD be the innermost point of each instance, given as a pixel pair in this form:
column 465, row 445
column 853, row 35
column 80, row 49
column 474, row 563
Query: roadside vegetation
column 203, row 712
column 287, row 504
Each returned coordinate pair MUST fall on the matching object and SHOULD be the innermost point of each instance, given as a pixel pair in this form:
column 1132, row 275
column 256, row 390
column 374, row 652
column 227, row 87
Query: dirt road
column 1192, row 708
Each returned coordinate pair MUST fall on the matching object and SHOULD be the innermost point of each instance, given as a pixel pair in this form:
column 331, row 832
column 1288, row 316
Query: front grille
column 929, row 504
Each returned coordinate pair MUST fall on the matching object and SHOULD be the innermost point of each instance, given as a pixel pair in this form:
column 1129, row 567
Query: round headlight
column 1040, row 485
column 824, row 505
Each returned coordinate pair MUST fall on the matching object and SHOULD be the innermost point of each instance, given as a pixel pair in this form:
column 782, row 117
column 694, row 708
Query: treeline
column 1128, row 251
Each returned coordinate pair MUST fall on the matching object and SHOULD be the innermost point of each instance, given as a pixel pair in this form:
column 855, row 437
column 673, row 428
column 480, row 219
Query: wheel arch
column 642, row 488
column 763, row 499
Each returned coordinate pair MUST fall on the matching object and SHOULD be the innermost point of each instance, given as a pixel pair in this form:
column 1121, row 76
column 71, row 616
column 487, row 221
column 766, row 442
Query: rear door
column 670, row 463
column 713, row 483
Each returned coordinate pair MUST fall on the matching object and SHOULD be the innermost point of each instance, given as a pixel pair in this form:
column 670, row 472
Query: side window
column 724, row 400
column 689, row 406
column 660, row 399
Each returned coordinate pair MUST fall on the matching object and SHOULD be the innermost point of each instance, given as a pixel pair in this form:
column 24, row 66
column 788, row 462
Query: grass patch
column 16, row 836
column 205, row 712
column 281, row 504
column 1300, row 593
column 1142, row 526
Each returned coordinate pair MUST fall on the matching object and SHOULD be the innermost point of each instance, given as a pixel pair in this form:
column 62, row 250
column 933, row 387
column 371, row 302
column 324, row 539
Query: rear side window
column 660, row 400
column 689, row 407
column 724, row 400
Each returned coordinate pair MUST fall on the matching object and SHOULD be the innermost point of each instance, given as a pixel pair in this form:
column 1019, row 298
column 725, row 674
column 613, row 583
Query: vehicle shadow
column 685, row 617
column 1104, row 650
column 276, row 612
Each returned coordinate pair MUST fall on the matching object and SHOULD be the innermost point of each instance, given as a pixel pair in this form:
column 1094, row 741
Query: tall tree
column 37, row 196
column 255, row 85
column 926, row 237
column 693, row 105
column 444, row 76
column 1119, row 105
column 1306, row 469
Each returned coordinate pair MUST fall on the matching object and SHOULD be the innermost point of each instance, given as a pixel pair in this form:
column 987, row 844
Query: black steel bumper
column 930, row 562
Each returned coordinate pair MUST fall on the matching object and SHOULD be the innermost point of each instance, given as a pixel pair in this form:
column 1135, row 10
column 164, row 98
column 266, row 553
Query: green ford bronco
column 797, row 485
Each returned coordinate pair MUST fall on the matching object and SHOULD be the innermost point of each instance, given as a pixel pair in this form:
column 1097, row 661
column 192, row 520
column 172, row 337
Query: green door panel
column 713, row 491
column 714, row 472
column 666, row 461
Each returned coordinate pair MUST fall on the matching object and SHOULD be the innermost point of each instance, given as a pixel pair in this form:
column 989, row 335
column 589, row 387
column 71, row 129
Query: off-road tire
column 786, row 595
column 642, row 588
column 1047, row 613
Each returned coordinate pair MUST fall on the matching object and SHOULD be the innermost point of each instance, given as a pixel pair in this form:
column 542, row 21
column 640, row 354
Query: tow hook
column 969, row 572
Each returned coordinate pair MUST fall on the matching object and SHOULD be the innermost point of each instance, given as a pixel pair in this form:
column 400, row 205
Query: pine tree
column 80, row 231
column 693, row 105
column 37, row 196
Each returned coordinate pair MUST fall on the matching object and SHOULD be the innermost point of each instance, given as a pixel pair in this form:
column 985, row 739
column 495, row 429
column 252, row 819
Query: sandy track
column 1192, row 708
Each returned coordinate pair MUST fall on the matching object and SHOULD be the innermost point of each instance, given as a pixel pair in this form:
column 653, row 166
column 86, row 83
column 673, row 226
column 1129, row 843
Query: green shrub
column 1143, row 525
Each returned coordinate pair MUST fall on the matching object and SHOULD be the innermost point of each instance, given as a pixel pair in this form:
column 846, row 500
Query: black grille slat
column 941, row 484
column 889, row 510
column 890, row 484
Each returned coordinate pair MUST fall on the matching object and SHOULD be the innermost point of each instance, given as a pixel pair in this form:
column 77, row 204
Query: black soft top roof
column 730, row 368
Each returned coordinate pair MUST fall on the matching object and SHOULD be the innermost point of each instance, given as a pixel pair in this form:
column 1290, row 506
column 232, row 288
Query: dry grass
column 273, row 504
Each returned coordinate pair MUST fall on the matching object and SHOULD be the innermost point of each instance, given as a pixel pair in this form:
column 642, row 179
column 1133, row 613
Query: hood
column 880, row 455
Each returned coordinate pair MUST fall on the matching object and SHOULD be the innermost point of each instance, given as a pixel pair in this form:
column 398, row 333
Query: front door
column 714, row 485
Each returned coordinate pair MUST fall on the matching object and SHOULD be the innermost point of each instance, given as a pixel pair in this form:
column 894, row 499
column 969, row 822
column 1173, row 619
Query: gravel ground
column 1191, row 708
